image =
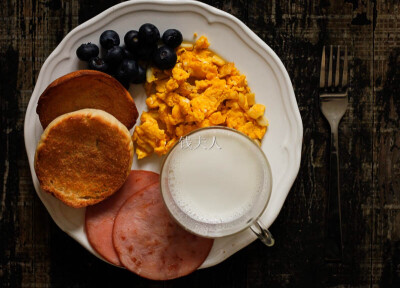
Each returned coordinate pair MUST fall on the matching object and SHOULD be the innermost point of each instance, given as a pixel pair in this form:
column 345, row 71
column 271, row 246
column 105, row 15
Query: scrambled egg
column 201, row 90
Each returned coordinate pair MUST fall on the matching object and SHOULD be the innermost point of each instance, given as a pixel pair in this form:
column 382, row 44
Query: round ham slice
column 99, row 219
column 150, row 243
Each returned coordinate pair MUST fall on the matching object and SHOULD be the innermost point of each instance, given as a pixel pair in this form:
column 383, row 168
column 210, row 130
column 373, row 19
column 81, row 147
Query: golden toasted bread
column 86, row 89
column 83, row 157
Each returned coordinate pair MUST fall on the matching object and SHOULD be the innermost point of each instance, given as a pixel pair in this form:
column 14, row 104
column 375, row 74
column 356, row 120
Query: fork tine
column 337, row 67
column 345, row 76
column 322, row 73
column 330, row 67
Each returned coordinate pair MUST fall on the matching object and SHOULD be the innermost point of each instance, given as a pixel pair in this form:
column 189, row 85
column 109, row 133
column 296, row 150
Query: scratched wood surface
column 34, row 252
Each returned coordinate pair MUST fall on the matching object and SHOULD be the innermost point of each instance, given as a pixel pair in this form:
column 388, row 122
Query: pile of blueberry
column 142, row 48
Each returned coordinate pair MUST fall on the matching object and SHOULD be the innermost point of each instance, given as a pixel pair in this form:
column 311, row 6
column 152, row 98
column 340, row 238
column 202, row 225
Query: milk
column 220, row 180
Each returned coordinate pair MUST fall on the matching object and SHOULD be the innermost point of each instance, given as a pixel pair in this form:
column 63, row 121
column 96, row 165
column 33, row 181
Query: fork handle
column 334, row 238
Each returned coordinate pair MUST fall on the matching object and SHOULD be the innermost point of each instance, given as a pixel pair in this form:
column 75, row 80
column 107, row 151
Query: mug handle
column 263, row 233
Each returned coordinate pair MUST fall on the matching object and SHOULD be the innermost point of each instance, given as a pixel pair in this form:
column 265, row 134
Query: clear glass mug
column 181, row 211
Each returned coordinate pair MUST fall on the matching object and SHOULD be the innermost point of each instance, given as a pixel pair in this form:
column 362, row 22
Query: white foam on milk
column 217, row 185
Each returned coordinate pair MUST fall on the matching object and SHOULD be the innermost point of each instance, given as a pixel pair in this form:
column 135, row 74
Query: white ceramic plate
column 231, row 39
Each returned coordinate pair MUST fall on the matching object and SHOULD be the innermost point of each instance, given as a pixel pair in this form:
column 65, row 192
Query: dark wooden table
column 34, row 252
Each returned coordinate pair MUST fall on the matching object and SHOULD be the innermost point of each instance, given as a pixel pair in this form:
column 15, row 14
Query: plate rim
column 293, row 115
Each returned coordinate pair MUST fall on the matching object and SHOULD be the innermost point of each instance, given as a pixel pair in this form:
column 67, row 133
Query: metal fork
column 333, row 104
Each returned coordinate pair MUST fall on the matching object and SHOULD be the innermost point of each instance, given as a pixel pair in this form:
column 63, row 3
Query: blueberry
column 128, row 54
column 139, row 76
column 146, row 52
column 96, row 63
column 131, row 40
column 172, row 38
column 165, row 58
column 114, row 56
column 87, row 51
column 108, row 39
column 149, row 34
column 127, row 69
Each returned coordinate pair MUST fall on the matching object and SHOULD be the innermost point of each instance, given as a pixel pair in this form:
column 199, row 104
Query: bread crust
column 84, row 157
column 86, row 89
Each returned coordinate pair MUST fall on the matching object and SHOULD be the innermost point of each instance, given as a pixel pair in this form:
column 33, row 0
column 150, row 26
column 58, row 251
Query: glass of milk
column 216, row 182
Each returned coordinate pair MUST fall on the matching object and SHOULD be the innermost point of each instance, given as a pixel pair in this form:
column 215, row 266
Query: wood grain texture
column 36, row 253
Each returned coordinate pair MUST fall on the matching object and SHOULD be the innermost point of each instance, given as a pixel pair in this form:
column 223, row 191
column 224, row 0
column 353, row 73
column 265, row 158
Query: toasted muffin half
column 83, row 157
column 86, row 89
